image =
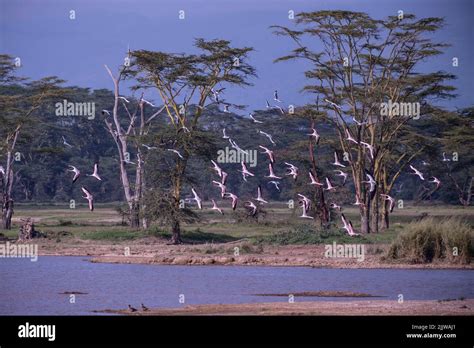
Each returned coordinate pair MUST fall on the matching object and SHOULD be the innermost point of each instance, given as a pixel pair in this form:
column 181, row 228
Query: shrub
column 430, row 239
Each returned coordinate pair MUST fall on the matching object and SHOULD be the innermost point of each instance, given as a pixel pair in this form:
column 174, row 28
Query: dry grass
column 434, row 239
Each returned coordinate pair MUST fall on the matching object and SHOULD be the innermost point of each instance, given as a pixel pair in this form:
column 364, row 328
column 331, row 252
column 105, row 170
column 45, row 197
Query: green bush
column 431, row 239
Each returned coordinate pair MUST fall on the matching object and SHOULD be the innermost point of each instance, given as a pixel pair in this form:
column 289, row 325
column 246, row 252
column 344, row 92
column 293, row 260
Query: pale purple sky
column 49, row 43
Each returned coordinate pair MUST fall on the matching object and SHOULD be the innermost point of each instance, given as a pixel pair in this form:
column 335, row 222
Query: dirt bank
column 156, row 251
column 375, row 307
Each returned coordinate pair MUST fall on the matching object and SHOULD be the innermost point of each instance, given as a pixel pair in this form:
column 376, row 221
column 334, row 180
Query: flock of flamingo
column 273, row 179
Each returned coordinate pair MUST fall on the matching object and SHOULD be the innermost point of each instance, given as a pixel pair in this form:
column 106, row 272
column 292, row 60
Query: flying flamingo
column 95, row 174
column 89, row 197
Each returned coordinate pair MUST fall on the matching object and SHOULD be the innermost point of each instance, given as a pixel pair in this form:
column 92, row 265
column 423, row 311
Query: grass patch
column 305, row 234
column 431, row 239
column 112, row 235
column 195, row 236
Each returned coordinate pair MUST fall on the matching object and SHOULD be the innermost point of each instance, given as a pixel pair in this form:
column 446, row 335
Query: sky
column 48, row 42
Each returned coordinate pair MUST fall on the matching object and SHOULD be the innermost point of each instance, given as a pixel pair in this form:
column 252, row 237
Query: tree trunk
column 321, row 208
column 385, row 217
column 374, row 222
column 365, row 214
column 364, row 220
column 176, row 230
column 7, row 213
column 134, row 214
column 175, row 224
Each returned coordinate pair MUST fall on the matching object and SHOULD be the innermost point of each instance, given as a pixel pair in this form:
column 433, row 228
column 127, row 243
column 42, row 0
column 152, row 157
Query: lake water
column 33, row 288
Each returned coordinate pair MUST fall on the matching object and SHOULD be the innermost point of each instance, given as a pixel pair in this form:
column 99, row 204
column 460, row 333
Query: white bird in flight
column 342, row 174
column 65, row 142
column 89, row 197
column 215, row 207
column 370, row 148
column 268, row 152
column 332, row 103
column 329, row 186
column 315, row 135
column 245, row 172
column 350, row 138
column 313, row 180
column 217, row 169
column 390, row 199
column 252, row 207
column 76, row 172
column 234, row 199
column 223, row 178
column 234, row 145
column 280, row 109
column 254, row 119
column 267, row 135
column 336, row 161
column 436, row 181
column 197, row 198
column 417, row 172
column 371, row 182
column 221, row 186
column 306, row 201
column 348, row 226
column 276, row 184
column 142, row 100
column 259, row 195
column 358, row 123
column 305, row 212
column 126, row 160
column 95, row 174
column 275, row 97
column 224, row 136
column 176, row 152
column 292, row 170
column 357, row 202
column 148, row 147
column 271, row 174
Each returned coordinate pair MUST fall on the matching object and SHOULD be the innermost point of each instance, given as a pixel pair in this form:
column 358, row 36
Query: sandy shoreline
column 155, row 251
column 348, row 308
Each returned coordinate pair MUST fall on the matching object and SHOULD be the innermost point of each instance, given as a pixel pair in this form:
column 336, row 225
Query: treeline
column 52, row 143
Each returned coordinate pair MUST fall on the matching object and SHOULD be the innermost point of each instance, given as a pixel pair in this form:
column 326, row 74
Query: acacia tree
column 127, row 127
column 185, row 83
column 357, row 64
column 457, row 143
column 19, row 107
